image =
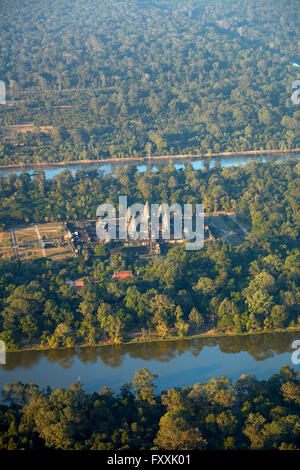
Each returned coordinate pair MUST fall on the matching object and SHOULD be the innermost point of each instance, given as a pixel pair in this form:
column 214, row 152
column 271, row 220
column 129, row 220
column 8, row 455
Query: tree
column 227, row 311
column 60, row 417
column 278, row 316
column 176, row 433
column 253, row 430
column 290, row 392
column 103, row 312
column 143, row 385
column 173, row 400
column 205, row 285
column 101, row 251
column 163, row 312
column 260, row 303
column 196, row 319
column 114, row 326
column 19, row 394
column 182, row 327
column 227, row 423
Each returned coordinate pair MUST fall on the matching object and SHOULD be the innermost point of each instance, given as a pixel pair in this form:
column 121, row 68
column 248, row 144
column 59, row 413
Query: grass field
column 10, row 130
column 25, row 235
column 6, row 248
column 35, row 241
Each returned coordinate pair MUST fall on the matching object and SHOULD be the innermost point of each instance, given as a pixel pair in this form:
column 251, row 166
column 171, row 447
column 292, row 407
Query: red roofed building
column 122, row 275
column 79, row 282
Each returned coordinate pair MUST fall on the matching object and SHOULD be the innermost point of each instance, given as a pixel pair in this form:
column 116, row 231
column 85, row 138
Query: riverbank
column 39, row 165
column 156, row 339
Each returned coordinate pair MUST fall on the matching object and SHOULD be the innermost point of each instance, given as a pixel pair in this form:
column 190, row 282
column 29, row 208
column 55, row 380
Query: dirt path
column 241, row 227
column 41, row 241
column 14, row 243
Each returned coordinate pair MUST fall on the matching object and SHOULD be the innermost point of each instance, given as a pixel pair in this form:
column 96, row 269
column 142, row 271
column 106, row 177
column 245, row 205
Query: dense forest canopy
column 217, row 415
column 250, row 287
column 115, row 78
column 120, row 78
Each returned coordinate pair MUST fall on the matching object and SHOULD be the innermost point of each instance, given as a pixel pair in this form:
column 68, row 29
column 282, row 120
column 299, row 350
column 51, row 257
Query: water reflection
column 197, row 163
column 177, row 363
column 260, row 347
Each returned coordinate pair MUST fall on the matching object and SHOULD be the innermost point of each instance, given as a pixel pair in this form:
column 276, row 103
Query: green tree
column 143, row 385
column 196, row 319
column 176, row 433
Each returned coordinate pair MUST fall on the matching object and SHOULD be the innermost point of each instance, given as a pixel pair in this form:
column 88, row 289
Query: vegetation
column 115, row 78
column 128, row 78
column 250, row 414
column 252, row 287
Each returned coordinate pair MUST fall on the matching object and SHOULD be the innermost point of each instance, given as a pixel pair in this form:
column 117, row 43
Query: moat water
column 197, row 163
column 177, row 363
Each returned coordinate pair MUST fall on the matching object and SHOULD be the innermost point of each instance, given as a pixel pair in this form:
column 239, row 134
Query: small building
column 79, row 282
column 122, row 275
column 76, row 283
